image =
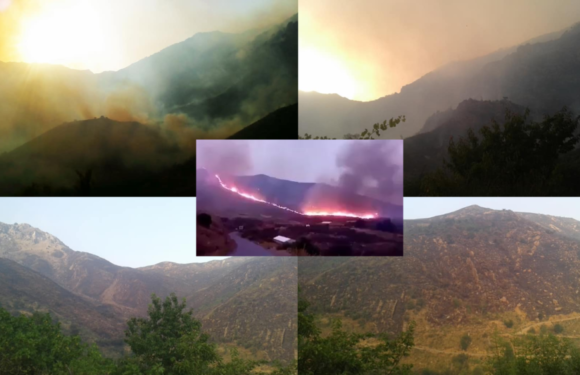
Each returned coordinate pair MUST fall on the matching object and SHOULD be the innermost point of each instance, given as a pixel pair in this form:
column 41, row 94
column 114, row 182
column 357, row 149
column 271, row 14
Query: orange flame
column 234, row 189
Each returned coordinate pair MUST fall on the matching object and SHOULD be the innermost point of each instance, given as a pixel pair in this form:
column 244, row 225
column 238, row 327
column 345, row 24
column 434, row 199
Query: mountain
column 425, row 151
column 212, row 85
column 25, row 291
column 298, row 196
column 116, row 153
column 468, row 271
column 541, row 74
column 223, row 293
column 280, row 124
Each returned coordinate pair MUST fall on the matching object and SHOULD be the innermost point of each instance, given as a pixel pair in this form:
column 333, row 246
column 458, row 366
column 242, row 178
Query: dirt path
column 449, row 352
column 547, row 322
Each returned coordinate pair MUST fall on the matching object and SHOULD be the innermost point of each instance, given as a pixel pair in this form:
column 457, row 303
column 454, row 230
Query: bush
column 410, row 305
column 543, row 329
column 465, row 341
column 508, row 323
column 558, row 328
column 532, row 331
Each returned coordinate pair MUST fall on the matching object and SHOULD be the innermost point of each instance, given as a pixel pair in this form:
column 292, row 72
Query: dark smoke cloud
column 225, row 157
column 373, row 168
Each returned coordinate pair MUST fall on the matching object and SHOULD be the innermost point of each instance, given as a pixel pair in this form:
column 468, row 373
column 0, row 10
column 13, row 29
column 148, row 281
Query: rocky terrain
column 248, row 302
column 464, row 272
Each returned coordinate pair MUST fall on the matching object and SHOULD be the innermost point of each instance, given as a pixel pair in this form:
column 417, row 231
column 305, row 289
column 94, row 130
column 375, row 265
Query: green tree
column 465, row 341
column 375, row 131
column 35, row 345
column 518, row 157
column 558, row 328
column 345, row 353
column 169, row 340
column 537, row 355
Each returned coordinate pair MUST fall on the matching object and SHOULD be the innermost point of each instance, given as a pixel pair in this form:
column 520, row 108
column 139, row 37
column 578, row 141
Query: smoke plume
column 224, row 157
column 374, row 169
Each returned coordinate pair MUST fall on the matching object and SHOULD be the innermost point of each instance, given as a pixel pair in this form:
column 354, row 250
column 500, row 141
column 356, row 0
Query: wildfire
column 234, row 189
column 339, row 213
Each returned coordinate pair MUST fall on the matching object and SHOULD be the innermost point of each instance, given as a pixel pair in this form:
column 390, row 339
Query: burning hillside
column 340, row 213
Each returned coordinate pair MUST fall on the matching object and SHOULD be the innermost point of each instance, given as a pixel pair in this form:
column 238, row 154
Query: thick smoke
column 374, row 169
column 224, row 157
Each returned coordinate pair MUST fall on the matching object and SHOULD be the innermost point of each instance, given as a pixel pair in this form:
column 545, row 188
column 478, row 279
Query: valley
column 245, row 303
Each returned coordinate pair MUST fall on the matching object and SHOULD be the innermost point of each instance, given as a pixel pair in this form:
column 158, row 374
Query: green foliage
column 537, row 355
column 518, row 157
column 508, row 323
column 532, row 331
column 169, row 342
column 410, row 305
column 465, row 341
column 543, row 329
column 375, row 131
column 345, row 353
column 558, row 328
column 36, row 345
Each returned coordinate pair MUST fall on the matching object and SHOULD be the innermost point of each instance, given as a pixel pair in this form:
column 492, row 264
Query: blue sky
column 419, row 208
column 132, row 232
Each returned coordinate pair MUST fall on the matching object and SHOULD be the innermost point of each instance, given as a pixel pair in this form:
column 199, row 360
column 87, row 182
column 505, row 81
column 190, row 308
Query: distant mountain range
column 248, row 302
column 542, row 74
column 463, row 272
column 298, row 196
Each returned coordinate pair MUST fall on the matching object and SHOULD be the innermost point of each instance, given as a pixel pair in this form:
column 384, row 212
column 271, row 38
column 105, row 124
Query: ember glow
column 340, row 213
column 234, row 189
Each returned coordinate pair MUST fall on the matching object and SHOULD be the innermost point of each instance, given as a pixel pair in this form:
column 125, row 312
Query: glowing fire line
column 307, row 213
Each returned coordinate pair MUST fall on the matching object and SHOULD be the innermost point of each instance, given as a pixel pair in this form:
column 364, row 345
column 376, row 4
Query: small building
column 283, row 240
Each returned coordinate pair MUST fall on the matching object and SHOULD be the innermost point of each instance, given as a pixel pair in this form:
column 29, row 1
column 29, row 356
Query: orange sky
column 367, row 49
column 111, row 34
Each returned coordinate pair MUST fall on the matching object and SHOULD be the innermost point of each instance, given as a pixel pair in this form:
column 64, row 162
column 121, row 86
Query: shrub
column 508, row 323
column 204, row 220
column 558, row 328
column 465, row 341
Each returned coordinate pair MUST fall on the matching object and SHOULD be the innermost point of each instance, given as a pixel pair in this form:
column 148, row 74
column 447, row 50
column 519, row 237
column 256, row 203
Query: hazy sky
column 132, row 232
column 367, row 49
column 302, row 161
column 419, row 208
column 112, row 34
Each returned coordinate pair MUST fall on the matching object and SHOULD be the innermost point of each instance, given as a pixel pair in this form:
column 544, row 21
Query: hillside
column 464, row 272
column 298, row 196
column 223, row 293
column 280, row 124
column 425, row 151
column 25, row 291
column 541, row 74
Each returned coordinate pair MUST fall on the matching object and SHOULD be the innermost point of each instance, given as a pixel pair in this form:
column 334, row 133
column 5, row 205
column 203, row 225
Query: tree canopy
column 516, row 158
column 346, row 353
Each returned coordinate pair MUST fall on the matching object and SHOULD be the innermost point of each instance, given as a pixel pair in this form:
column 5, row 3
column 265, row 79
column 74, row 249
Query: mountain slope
column 467, row 271
column 254, row 297
column 541, row 74
column 299, row 196
column 117, row 153
column 22, row 289
column 425, row 151
column 280, row 124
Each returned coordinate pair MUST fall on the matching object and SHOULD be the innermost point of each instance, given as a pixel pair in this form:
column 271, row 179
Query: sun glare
column 66, row 35
column 324, row 74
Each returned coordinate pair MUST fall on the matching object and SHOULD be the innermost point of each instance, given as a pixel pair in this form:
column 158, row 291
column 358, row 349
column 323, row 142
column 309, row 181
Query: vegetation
column 375, row 131
column 169, row 341
column 508, row 323
column 348, row 353
column 538, row 355
column 465, row 341
column 558, row 328
column 516, row 158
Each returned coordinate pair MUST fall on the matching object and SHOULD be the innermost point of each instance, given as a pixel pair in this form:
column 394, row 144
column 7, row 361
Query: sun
column 67, row 35
column 325, row 74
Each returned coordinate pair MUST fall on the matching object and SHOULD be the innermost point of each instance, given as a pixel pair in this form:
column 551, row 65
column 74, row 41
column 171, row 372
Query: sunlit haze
column 102, row 35
column 367, row 49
